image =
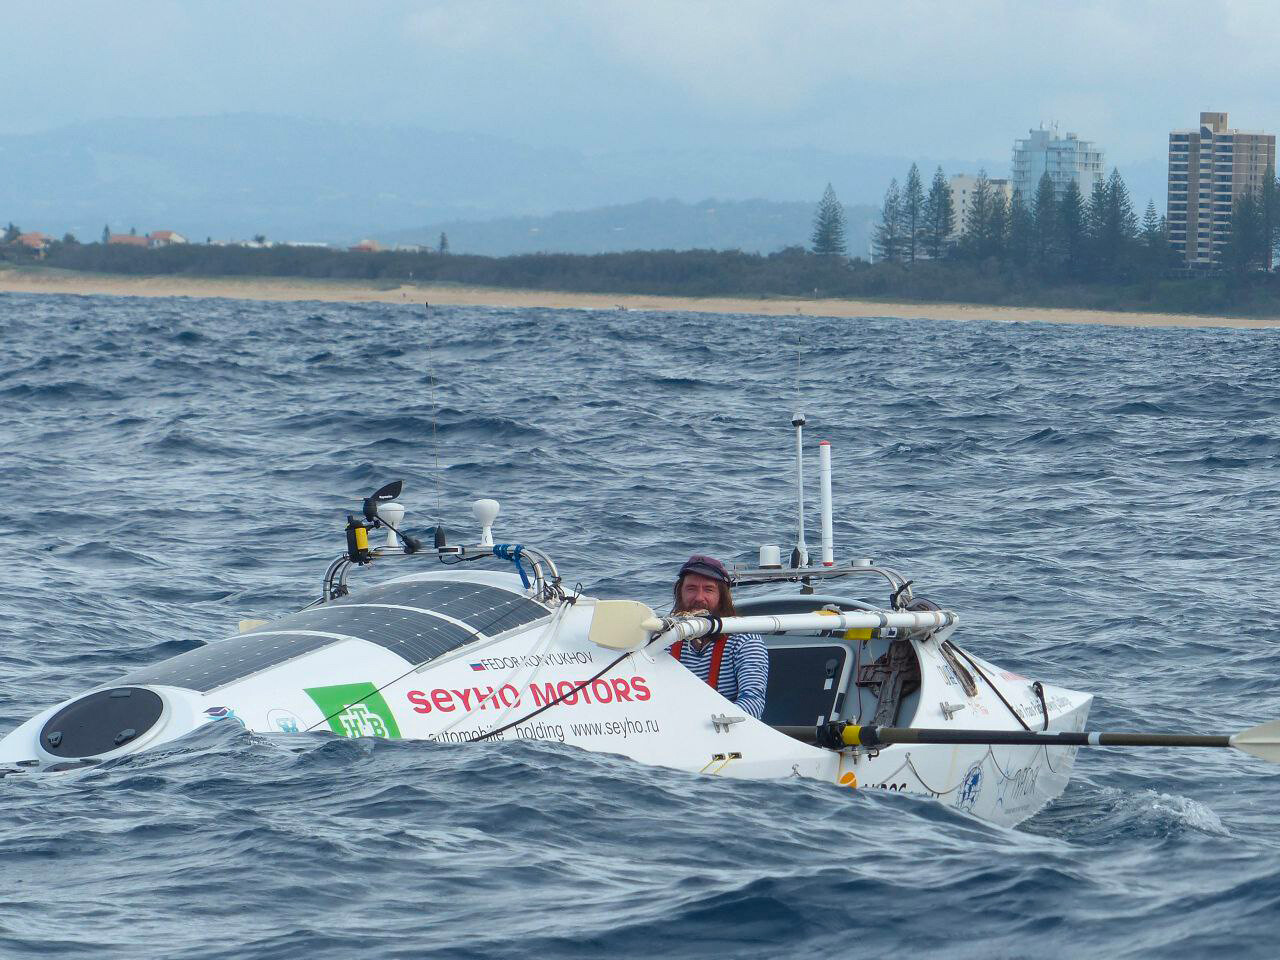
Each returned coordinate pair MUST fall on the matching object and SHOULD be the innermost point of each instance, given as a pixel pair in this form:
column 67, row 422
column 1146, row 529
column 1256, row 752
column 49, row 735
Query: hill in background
column 755, row 226
column 294, row 179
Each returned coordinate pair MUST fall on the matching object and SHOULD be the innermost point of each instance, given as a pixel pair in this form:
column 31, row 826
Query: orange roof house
column 33, row 241
column 165, row 238
column 128, row 240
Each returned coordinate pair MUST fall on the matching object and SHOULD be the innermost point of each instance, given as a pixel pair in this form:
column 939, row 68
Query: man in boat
column 736, row 665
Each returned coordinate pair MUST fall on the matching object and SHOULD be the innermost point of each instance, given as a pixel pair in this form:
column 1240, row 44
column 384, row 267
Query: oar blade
column 621, row 624
column 1262, row 741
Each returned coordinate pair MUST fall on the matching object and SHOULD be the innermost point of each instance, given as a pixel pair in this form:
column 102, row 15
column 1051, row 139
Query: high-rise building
column 1065, row 159
column 1209, row 169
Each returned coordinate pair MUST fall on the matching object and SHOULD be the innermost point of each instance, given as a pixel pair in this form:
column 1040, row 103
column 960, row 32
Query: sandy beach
column 47, row 281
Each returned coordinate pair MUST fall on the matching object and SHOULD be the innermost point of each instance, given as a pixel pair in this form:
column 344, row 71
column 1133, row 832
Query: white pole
column 797, row 421
column 824, row 478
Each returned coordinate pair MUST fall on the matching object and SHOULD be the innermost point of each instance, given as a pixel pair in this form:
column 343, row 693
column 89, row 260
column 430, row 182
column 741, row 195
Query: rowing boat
column 866, row 694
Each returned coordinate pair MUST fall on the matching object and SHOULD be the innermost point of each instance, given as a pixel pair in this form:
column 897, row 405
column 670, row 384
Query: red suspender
column 717, row 655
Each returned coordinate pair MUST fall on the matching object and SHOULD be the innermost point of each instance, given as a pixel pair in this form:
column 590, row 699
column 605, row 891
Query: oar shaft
column 686, row 627
column 873, row 736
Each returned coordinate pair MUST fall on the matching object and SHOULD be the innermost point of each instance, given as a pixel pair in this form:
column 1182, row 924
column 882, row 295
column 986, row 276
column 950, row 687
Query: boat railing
column 544, row 585
column 900, row 586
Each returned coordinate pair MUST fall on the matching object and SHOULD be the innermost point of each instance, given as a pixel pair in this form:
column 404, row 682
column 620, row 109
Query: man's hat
column 705, row 566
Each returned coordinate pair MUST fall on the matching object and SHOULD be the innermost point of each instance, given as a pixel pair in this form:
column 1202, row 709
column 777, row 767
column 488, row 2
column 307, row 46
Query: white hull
column 648, row 707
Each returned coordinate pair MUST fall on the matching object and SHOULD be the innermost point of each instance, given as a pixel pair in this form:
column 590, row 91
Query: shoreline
column 291, row 289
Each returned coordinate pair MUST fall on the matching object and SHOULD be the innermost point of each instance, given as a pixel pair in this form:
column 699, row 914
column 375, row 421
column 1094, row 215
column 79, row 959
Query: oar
column 1262, row 741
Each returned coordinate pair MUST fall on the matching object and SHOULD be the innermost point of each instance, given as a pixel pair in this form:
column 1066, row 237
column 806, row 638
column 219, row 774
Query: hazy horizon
column 686, row 98
column 927, row 79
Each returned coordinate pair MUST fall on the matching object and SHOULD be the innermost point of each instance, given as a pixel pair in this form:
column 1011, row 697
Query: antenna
column 435, row 446
column 824, row 485
column 800, row 555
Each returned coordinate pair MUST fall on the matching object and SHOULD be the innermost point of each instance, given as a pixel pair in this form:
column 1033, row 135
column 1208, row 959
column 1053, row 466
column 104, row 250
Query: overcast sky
column 937, row 79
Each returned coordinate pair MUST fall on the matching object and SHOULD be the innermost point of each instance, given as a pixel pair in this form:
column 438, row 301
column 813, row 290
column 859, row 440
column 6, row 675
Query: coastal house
column 37, row 243
column 127, row 240
column 365, row 246
column 166, row 238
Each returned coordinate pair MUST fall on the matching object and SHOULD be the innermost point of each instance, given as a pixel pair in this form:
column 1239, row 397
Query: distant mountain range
column 757, row 226
column 230, row 177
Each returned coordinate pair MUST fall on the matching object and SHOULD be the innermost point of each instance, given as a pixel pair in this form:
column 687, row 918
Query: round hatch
column 102, row 722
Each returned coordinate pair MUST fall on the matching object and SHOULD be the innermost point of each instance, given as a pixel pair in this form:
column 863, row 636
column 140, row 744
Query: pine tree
column 1095, row 219
column 12, row 232
column 829, row 226
column 1270, row 215
column 1020, row 244
column 106, row 233
column 1071, row 229
column 1246, row 245
column 1119, row 229
column 912, row 210
column 1152, row 241
column 1151, row 225
column 444, row 243
column 977, row 241
column 1044, row 225
column 996, row 234
column 887, row 240
column 939, row 215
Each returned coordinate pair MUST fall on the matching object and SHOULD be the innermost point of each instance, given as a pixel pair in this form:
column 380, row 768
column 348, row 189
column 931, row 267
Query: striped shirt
column 744, row 669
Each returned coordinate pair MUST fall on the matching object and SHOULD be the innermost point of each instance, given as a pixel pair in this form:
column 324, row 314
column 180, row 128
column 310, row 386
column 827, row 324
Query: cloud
column 913, row 77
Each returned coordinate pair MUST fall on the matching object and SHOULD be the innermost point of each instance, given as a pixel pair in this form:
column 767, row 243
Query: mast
column 800, row 555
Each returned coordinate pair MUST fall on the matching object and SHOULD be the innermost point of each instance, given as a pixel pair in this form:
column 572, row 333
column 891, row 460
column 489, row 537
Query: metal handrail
column 746, row 577
column 335, row 578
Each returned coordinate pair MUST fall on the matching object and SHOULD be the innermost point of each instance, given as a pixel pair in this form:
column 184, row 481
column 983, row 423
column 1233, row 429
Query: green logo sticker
column 355, row 710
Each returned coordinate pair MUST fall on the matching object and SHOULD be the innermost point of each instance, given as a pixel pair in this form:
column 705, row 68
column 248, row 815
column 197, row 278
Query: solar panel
column 222, row 662
column 375, row 615
column 487, row 609
column 413, row 634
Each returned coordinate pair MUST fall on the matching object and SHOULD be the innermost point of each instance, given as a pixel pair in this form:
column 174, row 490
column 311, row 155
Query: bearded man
column 737, row 666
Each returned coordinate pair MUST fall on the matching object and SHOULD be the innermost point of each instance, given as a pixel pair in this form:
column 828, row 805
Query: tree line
column 1052, row 238
column 1069, row 252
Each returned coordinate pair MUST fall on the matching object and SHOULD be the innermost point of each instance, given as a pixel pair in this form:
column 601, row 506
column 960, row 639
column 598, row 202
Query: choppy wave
column 1102, row 505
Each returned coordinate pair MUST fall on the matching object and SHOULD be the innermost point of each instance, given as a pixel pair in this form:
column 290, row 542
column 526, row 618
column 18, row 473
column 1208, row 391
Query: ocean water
column 1101, row 505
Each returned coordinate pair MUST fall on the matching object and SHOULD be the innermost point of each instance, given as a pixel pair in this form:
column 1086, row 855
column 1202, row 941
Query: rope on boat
column 983, row 674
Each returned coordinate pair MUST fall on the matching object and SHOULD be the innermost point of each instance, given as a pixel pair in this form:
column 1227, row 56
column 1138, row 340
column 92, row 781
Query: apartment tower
column 1066, row 159
column 1209, row 169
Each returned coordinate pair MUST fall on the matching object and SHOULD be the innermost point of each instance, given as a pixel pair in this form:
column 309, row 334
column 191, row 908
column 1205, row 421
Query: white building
column 1065, row 159
column 962, row 187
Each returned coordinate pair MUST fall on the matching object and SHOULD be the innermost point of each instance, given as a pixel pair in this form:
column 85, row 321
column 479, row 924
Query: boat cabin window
column 806, row 684
column 808, row 675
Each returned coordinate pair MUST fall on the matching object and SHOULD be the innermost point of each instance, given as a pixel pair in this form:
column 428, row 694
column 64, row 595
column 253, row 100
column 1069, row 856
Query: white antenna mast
column 435, row 443
column 799, row 556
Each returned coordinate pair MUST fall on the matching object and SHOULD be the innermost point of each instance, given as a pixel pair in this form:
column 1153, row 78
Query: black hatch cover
column 101, row 722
